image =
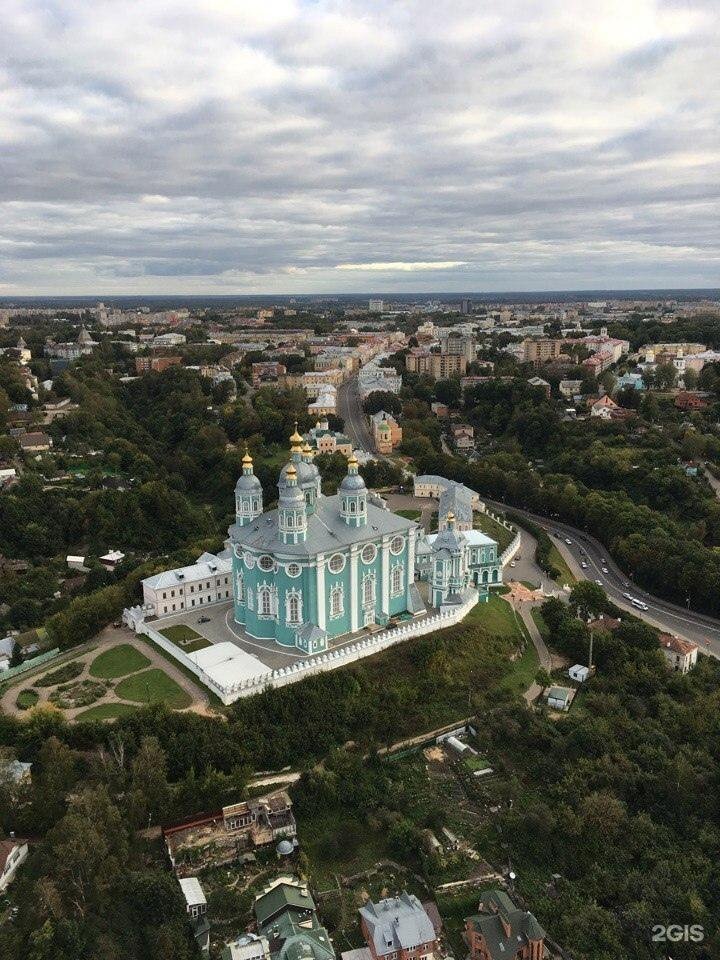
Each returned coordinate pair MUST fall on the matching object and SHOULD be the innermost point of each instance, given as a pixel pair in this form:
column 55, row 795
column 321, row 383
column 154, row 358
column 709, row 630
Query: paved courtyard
column 221, row 628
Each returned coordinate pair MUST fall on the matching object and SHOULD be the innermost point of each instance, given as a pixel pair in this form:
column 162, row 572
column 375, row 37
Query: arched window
column 293, row 607
column 368, row 591
column 336, row 601
column 352, row 506
column 240, row 588
column 264, row 602
column 396, row 580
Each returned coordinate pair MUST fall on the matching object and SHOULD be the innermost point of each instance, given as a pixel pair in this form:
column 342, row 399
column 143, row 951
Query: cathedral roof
column 306, row 472
column 326, row 530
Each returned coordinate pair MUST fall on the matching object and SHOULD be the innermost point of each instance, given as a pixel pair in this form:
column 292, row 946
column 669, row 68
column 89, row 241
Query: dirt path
column 85, row 654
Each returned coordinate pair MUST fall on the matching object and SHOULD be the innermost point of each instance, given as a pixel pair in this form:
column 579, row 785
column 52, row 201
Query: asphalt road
column 349, row 406
column 583, row 548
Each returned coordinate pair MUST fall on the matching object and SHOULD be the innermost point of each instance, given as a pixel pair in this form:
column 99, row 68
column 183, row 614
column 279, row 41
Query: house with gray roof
column 502, row 931
column 398, row 928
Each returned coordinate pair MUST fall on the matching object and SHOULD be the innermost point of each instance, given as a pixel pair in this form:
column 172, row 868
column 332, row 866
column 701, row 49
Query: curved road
column 584, row 548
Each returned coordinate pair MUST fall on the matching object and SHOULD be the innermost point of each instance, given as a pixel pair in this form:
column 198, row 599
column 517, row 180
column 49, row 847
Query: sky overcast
column 229, row 147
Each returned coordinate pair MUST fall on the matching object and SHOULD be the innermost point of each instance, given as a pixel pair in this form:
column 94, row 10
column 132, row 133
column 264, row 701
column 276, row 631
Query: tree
column 587, row 599
column 149, row 785
column 448, row 391
column 665, row 375
column 382, row 400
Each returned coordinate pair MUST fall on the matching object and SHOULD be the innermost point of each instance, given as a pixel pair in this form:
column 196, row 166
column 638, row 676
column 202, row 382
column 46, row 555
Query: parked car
column 568, row 541
column 583, row 565
column 605, row 570
column 204, row 620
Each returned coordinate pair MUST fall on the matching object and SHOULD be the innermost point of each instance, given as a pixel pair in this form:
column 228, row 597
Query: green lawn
column 410, row 514
column 118, row 661
column 492, row 528
column 106, row 711
column 185, row 637
column 564, row 573
column 27, row 699
column 153, row 686
column 537, row 616
column 496, row 616
column 474, row 763
column 523, row 671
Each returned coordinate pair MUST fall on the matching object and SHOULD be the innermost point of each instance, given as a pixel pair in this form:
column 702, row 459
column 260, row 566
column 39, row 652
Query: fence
column 29, row 665
column 319, row 664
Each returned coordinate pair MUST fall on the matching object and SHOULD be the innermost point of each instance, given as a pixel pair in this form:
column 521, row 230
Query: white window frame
column 337, row 601
column 293, row 598
column 369, row 590
column 397, row 571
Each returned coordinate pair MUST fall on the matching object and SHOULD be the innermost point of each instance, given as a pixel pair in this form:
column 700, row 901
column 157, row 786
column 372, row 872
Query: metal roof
column 326, row 530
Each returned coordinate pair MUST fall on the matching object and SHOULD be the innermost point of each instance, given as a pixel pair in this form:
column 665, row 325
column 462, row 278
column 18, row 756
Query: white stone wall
column 298, row 670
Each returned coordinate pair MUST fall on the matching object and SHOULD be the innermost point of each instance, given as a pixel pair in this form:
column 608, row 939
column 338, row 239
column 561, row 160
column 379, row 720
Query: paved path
column 534, row 690
column 712, row 480
column 86, row 653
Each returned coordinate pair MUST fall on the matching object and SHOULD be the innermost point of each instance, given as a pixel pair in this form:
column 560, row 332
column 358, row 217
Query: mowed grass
column 491, row 528
column 496, row 616
column 410, row 514
column 27, row 699
column 153, row 686
column 565, row 575
column 118, row 661
column 106, row 711
column 185, row 637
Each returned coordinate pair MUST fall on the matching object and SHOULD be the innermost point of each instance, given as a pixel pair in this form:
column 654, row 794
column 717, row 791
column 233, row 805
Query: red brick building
column 157, row 364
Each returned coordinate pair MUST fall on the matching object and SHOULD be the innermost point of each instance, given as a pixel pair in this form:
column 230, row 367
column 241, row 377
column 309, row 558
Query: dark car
column 204, row 620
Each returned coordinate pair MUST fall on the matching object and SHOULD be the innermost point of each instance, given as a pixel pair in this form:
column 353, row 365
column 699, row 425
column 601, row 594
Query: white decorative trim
column 335, row 591
column 374, row 556
column 336, row 556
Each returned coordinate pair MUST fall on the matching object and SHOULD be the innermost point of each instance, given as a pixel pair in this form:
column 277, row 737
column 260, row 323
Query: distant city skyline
column 357, row 147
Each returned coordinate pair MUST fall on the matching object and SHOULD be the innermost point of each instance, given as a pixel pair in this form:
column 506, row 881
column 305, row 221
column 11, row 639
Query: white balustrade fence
column 300, row 669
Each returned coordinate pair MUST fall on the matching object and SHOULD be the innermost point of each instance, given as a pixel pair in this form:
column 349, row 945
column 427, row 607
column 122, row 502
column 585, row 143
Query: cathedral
column 318, row 567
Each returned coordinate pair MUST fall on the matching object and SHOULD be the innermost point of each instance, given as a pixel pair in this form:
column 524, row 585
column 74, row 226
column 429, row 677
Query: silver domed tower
column 248, row 493
column 292, row 513
column 308, row 475
column 353, row 496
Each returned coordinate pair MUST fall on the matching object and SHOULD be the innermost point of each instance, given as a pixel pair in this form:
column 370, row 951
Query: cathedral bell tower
column 248, row 494
column 292, row 512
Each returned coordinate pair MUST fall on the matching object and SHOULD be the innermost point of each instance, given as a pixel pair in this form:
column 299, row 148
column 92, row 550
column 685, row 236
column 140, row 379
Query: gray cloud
column 238, row 147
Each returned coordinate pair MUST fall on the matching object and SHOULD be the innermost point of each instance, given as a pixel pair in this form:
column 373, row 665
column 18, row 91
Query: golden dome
column 296, row 438
column 247, row 459
column 291, row 471
column 450, row 517
column 353, row 461
column 307, row 449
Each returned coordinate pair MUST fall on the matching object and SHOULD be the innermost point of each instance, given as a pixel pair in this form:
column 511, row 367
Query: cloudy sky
column 251, row 146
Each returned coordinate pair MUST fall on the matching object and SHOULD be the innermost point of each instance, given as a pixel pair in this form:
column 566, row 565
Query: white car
column 628, row 596
column 599, row 582
column 605, row 570
column 583, row 565
column 568, row 541
column 512, row 563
